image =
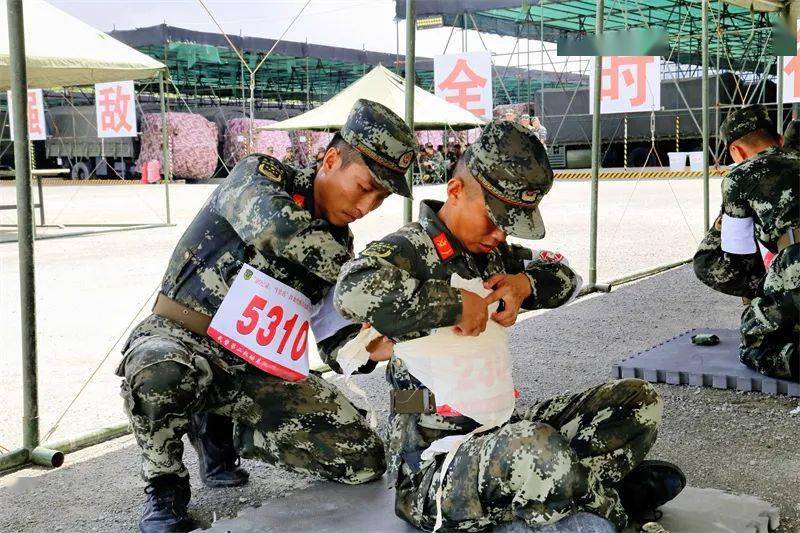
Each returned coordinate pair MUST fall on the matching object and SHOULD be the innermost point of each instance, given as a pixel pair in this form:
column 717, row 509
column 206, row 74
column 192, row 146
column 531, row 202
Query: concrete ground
column 742, row 442
column 90, row 289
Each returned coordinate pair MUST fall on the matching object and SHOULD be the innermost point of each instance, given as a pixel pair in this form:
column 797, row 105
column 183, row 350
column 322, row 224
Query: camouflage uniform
column 261, row 215
column 766, row 189
column 431, row 167
column 560, row 456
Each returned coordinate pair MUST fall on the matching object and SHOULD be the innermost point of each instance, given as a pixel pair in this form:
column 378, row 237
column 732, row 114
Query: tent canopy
column 62, row 51
column 744, row 33
column 387, row 88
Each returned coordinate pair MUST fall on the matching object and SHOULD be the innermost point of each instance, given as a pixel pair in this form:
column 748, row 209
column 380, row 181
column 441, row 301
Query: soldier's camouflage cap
column 791, row 137
column 744, row 121
column 384, row 140
column 512, row 167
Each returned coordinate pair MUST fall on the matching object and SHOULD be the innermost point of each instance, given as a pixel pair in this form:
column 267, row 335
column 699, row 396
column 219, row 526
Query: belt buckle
column 428, row 407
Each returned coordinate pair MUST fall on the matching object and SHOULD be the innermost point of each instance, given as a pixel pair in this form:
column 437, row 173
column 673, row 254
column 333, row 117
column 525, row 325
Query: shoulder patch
column 443, row 247
column 271, row 169
column 380, row 249
column 299, row 199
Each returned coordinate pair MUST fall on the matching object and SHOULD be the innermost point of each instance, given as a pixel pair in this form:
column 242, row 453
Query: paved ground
column 91, row 288
column 741, row 442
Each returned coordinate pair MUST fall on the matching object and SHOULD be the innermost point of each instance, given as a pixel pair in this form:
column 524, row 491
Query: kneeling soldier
column 581, row 452
column 291, row 226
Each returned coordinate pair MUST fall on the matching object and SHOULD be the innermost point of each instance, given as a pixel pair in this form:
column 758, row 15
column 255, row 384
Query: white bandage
column 738, row 235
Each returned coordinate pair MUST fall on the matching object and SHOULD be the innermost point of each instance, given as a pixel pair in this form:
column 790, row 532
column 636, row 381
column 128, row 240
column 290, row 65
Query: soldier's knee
column 161, row 389
column 637, row 394
column 532, row 449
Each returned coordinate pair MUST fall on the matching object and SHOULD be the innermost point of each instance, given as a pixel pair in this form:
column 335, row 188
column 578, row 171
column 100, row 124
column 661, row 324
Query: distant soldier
column 291, row 226
column 431, row 165
column 579, row 452
column 290, row 159
column 539, row 130
column 758, row 224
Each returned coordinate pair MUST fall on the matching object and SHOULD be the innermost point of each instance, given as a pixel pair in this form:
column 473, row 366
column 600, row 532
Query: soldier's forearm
column 329, row 349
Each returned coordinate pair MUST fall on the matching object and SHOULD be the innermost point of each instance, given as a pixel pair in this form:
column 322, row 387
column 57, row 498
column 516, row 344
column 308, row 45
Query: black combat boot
column 212, row 437
column 165, row 509
column 649, row 486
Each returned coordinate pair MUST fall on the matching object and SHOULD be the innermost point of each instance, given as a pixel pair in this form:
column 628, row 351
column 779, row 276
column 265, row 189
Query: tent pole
column 779, row 71
column 704, row 53
column 596, row 141
column 411, row 26
column 27, row 287
column 165, row 143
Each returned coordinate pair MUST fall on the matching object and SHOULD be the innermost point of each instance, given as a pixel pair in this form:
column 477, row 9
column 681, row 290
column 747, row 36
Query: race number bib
column 265, row 322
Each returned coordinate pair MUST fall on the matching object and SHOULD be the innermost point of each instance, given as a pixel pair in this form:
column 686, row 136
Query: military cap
column 384, row 140
column 791, row 137
column 525, row 116
column 744, row 121
column 512, row 167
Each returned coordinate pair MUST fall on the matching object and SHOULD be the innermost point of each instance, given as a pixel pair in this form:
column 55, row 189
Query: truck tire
column 80, row 171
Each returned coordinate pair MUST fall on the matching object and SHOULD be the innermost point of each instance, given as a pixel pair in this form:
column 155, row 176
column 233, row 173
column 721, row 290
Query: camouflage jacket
column 765, row 188
column 401, row 285
column 432, row 165
column 261, row 215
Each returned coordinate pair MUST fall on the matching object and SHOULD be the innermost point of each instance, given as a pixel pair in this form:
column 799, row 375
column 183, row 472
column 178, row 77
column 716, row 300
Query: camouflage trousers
column 306, row 426
column 770, row 326
column 561, row 456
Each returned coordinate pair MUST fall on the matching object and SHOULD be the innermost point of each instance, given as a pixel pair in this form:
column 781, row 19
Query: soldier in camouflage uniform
column 431, row 165
column 760, row 217
column 293, row 226
column 561, row 456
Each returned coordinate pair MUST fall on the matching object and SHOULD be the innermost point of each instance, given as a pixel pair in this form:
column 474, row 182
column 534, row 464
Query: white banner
column 630, row 84
column 115, row 104
column 465, row 80
column 37, row 129
column 791, row 74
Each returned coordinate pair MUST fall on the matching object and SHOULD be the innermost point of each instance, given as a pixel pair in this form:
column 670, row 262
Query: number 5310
column 265, row 336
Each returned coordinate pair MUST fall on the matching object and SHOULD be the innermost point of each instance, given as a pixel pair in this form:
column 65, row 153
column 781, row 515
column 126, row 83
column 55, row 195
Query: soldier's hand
column 380, row 349
column 474, row 315
column 512, row 289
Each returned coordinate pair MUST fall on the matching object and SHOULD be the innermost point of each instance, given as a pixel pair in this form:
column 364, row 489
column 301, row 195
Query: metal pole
column 704, row 111
column 411, row 26
column 165, row 143
column 596, row 141
column 27, row 287
column 780, row 95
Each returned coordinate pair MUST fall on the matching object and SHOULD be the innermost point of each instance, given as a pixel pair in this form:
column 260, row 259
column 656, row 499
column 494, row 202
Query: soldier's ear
column 455, row 188
column 331, row 159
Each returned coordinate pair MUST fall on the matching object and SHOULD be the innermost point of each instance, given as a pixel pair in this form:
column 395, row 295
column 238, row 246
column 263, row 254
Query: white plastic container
column 677, row 160
column 696, row 160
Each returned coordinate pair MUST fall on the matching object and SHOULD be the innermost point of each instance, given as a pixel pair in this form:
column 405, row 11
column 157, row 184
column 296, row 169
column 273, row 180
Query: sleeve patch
column 271, row 169
column 380, row 249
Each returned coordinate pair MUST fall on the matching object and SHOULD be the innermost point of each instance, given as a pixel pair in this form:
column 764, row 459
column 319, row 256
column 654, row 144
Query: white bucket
column 677, row 160
column 696, row 160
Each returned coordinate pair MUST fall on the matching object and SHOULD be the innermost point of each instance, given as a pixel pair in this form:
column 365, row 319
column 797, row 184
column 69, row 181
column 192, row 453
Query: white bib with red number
column 265, row 322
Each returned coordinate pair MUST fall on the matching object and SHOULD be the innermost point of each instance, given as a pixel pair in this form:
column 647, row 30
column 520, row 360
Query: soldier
column 580, row 452
column 292, row 226
column 289, row 160
column 760, row 217
column 431, row 165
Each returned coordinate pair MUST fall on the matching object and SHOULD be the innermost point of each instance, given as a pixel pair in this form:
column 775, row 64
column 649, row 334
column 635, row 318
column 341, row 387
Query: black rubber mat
column 679, row 362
